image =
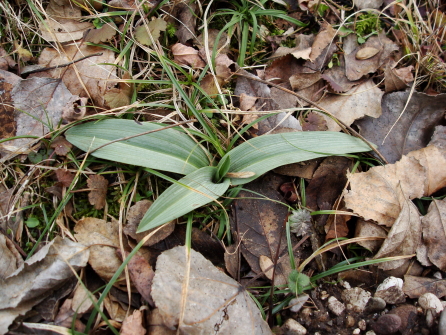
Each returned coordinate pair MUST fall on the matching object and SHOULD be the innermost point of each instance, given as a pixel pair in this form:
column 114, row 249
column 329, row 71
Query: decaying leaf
column 11, row 259
column 337, row 79
column 98, row 185
column 412, row 129
column 259, row 222
column 65, row 316
column 213, row 302
column 314, row 122
column 61, row 146
column 134, row 216
column 38, row 103
column 369, row 228
column 124, row 4
column 103, row 34
column 366, row 4
column 232, row 261
column 362, row 100
column 414, row 287
column 185, row 55
column 6, row 61
column 133, row 324
column 44, row 272
column 82, row 300
column 103, row 239
column 119, row 96
column 187, row 19
column 75, row 109
column 222, row 45
column 397, row 79
column 434, row 233
column 95, row 77
column 322, row 40
column 147, row 35
column 65, row 177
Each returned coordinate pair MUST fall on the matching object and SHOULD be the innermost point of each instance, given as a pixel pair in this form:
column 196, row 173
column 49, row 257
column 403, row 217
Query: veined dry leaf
column 44, row 272
column 103, row 239
column 103, row 34
column 369, row 228
column 214, row 302
column 304, row 80
column 411, row 130
column 434, row 233
column 97, row 195
column 119, row 96
column 133, row 324
column 185, row 55
column 322, row 40
column 362, row 100
column 96, row 78
column 258, row 223
column 155, row 27
column 11, row 259
column 404, row 237
column 187, row 21
column 414, row 287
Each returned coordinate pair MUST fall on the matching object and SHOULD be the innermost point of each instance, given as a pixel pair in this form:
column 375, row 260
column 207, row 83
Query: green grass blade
column 190, row 192
column 166, row 150
column 264, row 153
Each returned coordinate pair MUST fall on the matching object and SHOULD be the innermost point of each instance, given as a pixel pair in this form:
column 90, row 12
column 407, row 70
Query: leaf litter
column 349, row 89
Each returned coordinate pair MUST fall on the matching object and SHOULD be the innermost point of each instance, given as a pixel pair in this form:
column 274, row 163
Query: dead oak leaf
column 98, row 186
column 148, row 34
column 362, row 100
column 185, row 55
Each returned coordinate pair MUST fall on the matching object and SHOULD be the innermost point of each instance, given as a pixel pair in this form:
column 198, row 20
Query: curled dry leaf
column 185, row 55
column 133, row 324
column 434, row 233
column 98, row 192
column 148, row 34
column 36, row 278
column 75, row 109
column 119, row 96
column 397, row 79
column 314, row 122
column 11, row 259
column 362, row 100
column 6, row 60
column 322, row 40
column 213, row 302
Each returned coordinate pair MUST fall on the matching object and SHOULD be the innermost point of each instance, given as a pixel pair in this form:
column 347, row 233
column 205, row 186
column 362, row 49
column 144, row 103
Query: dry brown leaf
column 134, row 216
column 44, row 272
column 434, row 233
column 133, row 324
column 6, row 59
column 11, row 259
column 280, row 70
column 103, row 239
column 404, row 237
column 124, row 4
column 337, row 79
column 115, row 308
column 38, row 103
column 314, row 122
column 155, row 325
column 322, row 40
column 362, row 100
column 397, row 79
column 98, row 192
column 65, row 177
column 95, row 77
column 371, row 229
column 414, row 287
column 366, row 53
column 65, row 316
column 119, row 96
column 82, row 303
column 267, row 266
column 304, row 80
column 61, row 146
column 213, row 302
column 355, row 68
column 187, row 21
column 232, row 261
column 75, row 109
column 209, row 86
column 411, row 130
column 222, row 45
column 103, row 34
column 185, row 55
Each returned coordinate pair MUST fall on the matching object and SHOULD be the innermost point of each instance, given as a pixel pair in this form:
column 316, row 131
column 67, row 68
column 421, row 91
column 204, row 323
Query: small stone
column 335, row 306
column 430, row 318
column 346, row 285
column 438, row 275
column 298, row 302
column 387, row 324
column 357, row 298
column 362, row 324
column 375, row 305
column 442, row 323
column 357, row 331
column 324, row 295
column 349, row 321
column 292, row 327
column 370, row 332
column 429, row 301
column 390, row 282
column 408, row 315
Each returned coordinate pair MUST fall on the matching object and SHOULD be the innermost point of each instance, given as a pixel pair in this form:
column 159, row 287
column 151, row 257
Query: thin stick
column 342, row 124
column 62, row 65
column 144, row 133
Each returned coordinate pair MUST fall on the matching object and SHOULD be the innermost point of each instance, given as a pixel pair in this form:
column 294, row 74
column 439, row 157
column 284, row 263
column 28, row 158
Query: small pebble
column 349, row 321
column 375, row 304
column 408, row 315
column 292, row 327
column 357, row 331
column 346, row 285
column 387, row 324
column 357, row 298
column 370, row 332
column 324, row 295
column 438, row 275
column 390, row 282
column 429, row 301
column 442, row 323
column 335, row 306
column 298, row 302
column 362, row 324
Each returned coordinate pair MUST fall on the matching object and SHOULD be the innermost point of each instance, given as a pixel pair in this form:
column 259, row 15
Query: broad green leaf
column 223, row 168
column 166, row 150
column 190, row 192
column 264, row 153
